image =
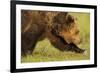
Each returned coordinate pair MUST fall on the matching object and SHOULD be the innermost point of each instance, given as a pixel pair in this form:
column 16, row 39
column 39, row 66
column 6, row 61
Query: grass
column 45, row 52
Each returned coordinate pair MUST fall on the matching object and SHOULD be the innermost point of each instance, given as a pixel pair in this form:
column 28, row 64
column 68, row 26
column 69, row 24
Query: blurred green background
column 45, row 52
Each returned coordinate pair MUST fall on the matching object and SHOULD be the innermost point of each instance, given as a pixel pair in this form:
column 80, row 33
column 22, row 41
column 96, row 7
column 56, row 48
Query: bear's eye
column 77, row 32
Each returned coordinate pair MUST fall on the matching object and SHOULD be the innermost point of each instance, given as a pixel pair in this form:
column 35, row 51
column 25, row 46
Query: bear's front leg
column 73, row 47
column 61, row 44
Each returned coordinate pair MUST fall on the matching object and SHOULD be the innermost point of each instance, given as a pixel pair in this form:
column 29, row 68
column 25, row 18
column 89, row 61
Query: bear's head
column 66, row 26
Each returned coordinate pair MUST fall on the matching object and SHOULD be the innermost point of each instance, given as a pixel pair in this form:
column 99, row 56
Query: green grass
column 45, row 52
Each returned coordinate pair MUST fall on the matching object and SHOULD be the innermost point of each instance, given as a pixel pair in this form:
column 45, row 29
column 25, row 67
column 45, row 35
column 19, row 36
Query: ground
column 45, row 52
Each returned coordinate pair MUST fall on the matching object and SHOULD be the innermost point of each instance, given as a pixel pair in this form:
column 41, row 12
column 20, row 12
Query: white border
column 20, row 65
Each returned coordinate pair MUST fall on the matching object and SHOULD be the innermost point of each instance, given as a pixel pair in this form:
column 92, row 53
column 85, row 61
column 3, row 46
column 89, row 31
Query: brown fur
column 59, row 27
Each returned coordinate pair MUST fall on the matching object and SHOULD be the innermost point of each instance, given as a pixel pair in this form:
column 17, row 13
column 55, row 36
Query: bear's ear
column 70, row 19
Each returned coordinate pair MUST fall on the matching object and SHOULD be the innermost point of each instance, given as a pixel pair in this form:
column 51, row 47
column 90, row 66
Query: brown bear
column 59, row 27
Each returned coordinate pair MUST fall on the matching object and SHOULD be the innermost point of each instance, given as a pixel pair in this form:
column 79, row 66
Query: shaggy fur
column 59, row 27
